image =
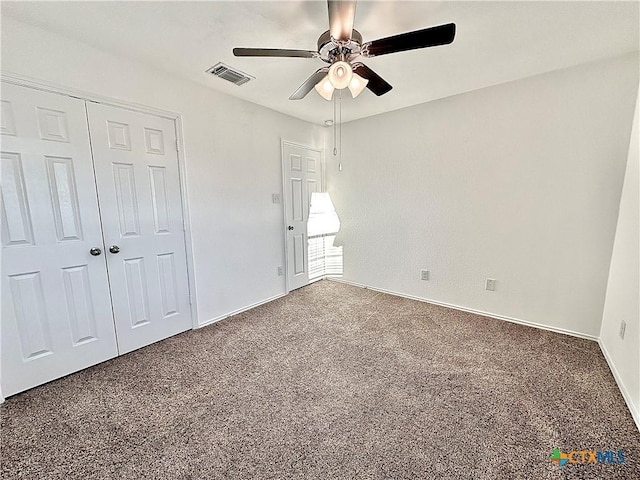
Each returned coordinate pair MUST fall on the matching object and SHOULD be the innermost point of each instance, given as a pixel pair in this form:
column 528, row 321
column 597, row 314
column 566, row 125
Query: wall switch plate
column 280, row 271
column 490, row 284
column 275, row 197
column 424, row 274
column 623, row 328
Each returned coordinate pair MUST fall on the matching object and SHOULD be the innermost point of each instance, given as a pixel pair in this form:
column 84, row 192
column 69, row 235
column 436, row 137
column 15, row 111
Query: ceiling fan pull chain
column 335, row 150
column 340, row 122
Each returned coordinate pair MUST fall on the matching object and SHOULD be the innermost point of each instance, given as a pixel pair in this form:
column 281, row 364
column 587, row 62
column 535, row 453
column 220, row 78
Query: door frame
column 140, row 108
column 285, row 203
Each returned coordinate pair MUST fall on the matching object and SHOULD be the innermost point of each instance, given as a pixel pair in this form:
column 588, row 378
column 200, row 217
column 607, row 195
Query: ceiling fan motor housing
column 331, row 50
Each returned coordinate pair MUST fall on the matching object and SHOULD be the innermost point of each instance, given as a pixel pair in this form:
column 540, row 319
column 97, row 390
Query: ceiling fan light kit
column 327, row 86
column 340, row 74
column 357, row 85
column 341, row 45
column 324, row 88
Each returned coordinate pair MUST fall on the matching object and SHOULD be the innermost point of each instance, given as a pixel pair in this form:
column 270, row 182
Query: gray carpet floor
column 331, row 381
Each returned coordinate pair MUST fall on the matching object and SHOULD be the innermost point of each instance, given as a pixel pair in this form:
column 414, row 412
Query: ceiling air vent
column 229, row 74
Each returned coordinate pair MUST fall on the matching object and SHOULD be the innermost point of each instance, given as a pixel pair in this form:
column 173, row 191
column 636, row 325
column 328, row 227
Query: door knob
column 290, row 228
column 114, row 249
column 95, row 251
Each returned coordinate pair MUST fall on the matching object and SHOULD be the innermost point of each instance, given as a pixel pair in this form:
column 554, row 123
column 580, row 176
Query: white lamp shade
column 324, row 88
column 323, row 218
column 340, row 75
column 357, row 85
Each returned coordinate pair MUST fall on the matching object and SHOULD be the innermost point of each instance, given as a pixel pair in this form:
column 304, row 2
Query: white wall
column 232, row 153
column 519, row 182
column 622, row 301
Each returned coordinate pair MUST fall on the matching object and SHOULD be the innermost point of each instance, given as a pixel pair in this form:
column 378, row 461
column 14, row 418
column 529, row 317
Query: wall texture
column 232, row 151
column 519, row 182
column 622, row 302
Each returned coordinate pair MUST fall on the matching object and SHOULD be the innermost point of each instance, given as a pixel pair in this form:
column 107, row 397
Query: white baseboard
column 249, row 307
column 253, row 305
column 564, row 331
column 623, row 389
column 240, row 310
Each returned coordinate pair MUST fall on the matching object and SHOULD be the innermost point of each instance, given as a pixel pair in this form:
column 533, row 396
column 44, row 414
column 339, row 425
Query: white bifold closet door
column 93, row 252
column 136, row 164
column 56, row 307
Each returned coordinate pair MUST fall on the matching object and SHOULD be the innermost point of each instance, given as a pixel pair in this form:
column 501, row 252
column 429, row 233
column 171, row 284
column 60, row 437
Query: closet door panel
column 56, row 307
column 136, row 165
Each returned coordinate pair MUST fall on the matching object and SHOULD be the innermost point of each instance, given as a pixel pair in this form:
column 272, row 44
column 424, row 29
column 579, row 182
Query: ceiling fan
column 341, row 45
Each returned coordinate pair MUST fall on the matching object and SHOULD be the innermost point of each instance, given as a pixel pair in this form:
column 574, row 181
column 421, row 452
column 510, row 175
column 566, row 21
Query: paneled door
column 136, row 166
column 56, row 309
column 302, row 176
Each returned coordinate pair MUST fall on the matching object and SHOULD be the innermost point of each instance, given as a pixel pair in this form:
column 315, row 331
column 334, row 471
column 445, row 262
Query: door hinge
column 190, row 299
column 177, row 146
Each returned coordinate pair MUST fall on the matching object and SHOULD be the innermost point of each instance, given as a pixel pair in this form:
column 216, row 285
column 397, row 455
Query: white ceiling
column 496, row 42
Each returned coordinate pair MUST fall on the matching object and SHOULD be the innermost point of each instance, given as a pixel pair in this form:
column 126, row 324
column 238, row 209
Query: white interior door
column 56, row 309
column 137, row 175
column 302, row 169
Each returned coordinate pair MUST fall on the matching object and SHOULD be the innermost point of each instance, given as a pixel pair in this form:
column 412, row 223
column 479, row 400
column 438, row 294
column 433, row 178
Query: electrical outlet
column 275, row 197
column 490, row 284
column 280, row 271
column 623, row 328
column 424, row 274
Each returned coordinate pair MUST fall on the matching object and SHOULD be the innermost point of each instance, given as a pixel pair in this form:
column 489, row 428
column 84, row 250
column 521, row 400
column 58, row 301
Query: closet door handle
column 95, row 251
column 114, row 249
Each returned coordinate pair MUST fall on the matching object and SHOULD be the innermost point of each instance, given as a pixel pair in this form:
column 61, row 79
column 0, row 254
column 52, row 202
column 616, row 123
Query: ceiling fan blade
column 308, row 84
column 273, row 52
column 428, row 37
column 377, row 84
column 341, row 15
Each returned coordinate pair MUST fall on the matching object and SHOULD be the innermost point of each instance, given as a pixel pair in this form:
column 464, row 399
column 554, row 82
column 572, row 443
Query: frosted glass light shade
column 340, row 75
column 323, row 218
column 357, row 85
column 324, row 88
